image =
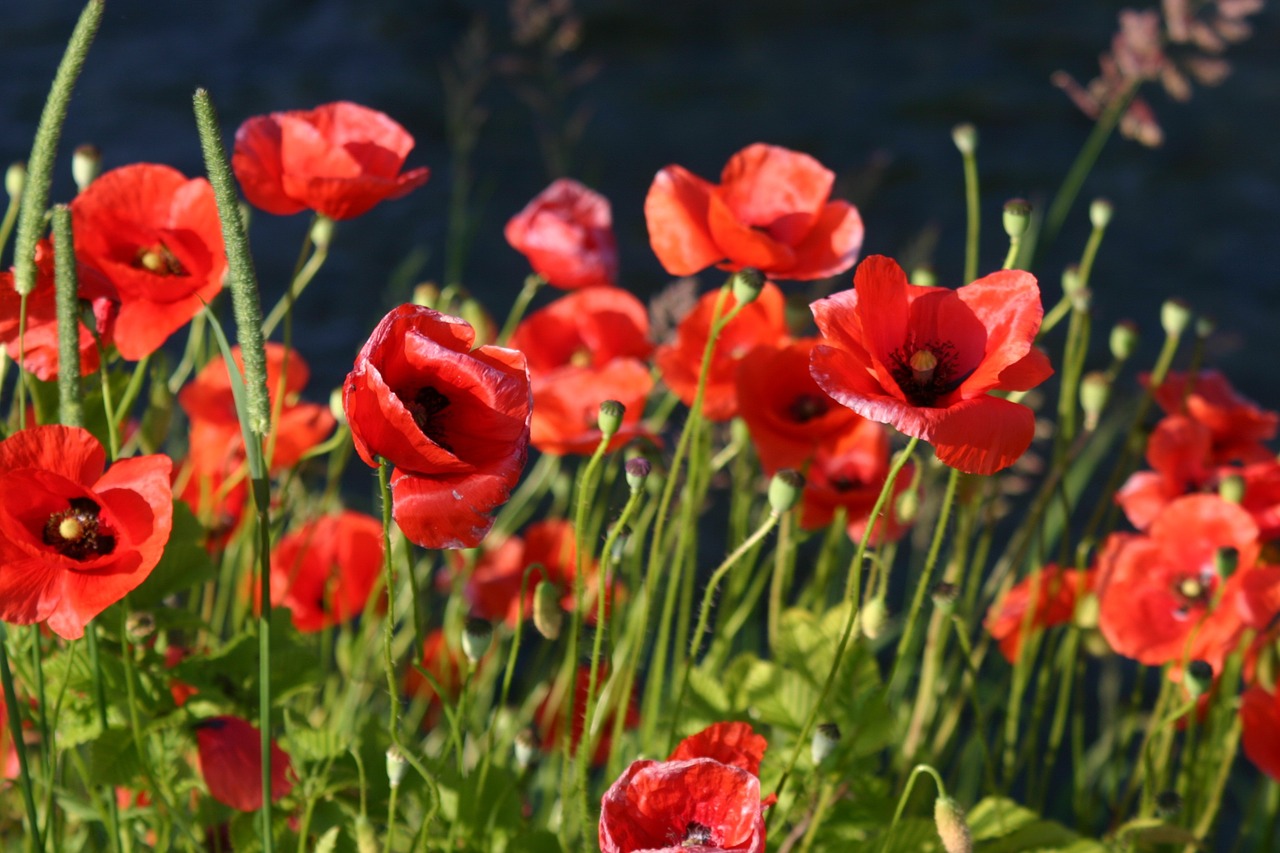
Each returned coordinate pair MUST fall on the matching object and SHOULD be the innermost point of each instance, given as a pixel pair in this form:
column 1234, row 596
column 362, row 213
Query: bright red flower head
column 73, row 538
column 1260, row 728
column 1056, row 593
column 586, row 328
column 1238, row 427
column 566, row 406
column 770, row 211
column 452, row 420
column 156, row 236
column 735, row 744
column 761, row 322
column 566, row 233
column 324, row 571
column 40, row 338
column 339, row 160
column 230, row 752
column 925, row 359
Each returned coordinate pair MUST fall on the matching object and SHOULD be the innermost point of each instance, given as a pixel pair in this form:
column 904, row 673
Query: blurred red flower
column 566, row 406
column 850, row 473
column 338, row 159
column 925, row 359
column 73, row 538
column 156, row 236
column 1056, row 593
column 586, row 328
column 566, row 234
column 1260, row 733
column 735, row 744
column 549, row 715
column 452, row 420
column 230, row 753
column 770, row 211
column 447, row 666
column 760, row 322
column 325, row 570
column 40, row 338
column 1237, row 426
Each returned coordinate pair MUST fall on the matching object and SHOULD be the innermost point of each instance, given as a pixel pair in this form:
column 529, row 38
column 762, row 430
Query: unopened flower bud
column 746, row 285
column 548, row 618
column 526, row 749
column 396, row 764
column 953, row 828
column 426, row 294
column 875, row 616
column 140, row 625
column 1175, row 315
column 637, row 469
column 335, row 406
column 1205, row 326
column 1087, row 612
column 785, row 489
column 907, row 505
column 826, row 738
column 1095, row 390
column 610, row 419
column 366, row 837
column 1231, row 488
column 1100, row 213
column 1124, row 340
column 321, row 232
column 1017, row 216
column 477, row 634
column 924, row 276
column 1074, row 289
column 1225, row 561
column 1168, row 804
column 86, row 164
column 965, row 136
column 1198, row 678
column 944, row 595
column 15, row 178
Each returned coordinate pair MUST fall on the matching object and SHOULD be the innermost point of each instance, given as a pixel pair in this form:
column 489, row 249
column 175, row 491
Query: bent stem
column 906, row 794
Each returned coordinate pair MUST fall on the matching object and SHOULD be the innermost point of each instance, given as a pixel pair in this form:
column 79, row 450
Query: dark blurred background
column 609, row 91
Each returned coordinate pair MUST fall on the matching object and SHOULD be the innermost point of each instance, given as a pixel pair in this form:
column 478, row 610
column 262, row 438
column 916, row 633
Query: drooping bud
column 875, row 616
column 785, row 489
column 637, row 469
column 1175, row 315
column 1100, row 212
column 548, row 618
column 1017, row 216
column 1198, row 678
column 1124, row 340
column 86, row 165
column 321, row 232
column 1225, row 561
column 953, row 828
column 477, row 634
column 965, row 136
column 396, row 764
column 610, row 419
column 1095, row 391
column 746, row 285
column 15, row 178
column 826, row 737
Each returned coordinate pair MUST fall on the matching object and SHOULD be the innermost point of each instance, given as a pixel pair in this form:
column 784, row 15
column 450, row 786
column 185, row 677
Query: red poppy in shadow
column 1237, row 426
column 325, row 570
column 566, row 406
column 452, row 420
column 585, row 328
column 549, row 715
column 156, row 236
column 566, row 234
column 926, row 359
column 338, row 159
column 230, row 752
column 73, row 538
column 770, row 211
column 1260, row 728
column 850, row 473
column 1056, row 592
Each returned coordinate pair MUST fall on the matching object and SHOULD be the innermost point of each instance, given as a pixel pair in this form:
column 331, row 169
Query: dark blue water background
column 871, row 89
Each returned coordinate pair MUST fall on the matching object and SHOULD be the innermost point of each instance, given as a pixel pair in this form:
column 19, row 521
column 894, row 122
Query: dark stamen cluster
column 925, row 391
column 808, row 407
column 85, row 537
column 427, row 409
column 696, row 834
column 159, row 260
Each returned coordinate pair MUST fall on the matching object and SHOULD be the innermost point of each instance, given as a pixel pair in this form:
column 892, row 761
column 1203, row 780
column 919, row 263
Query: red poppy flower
column 735, row 744
column 770, row 211
column 925, row 359
column 566, row 406
column 73, row 538
column 452, row 420
column 230, row 752
column 586, row 328
column 446, row 664
column 324, row 571
column 339, row 160
column 788, row 415
column 40, row 338
column 155, row 235
column 761, row 322
column 1056, row 593
column 850, row 473
column 1237, row 426
column 549, row 715
column 1159, row 591
column 1260, row 732
column 566, row 234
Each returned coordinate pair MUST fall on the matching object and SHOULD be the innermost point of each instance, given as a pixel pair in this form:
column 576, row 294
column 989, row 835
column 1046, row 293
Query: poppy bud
column 526, row 749
column 140, row 625
column 1225, row 561
column 924, row 276
column 1100, row 213
column 474, row 313
column 396, row 764
column 15, row 178
column 620, row 544
column 335, row 406
column 784, row 490
column 1205, row 326
column 1198, row 678
column 944, row 595
column 874, row 618
column 907, row 505
column 746, row 285
column 1267, row 667
column 1017, row 216
column 1095, row 390
column 826, row 738
column 1074, row 288
column 548, row 618
column 637, row 469
column 953, row 829
column 1124, row 340
column 1168, row 804
column 86, row 164
column 477, row 634
column 366, row 838
column 1087, row 612
column 426, row 294
column 321, row 232
column 965, row 136
column 610, row 419
column 1175, row 315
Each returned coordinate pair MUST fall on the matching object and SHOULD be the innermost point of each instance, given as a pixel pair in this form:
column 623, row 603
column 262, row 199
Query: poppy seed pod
column 610, row 418
column 15, row 178
column 875, row 616
column 785, row 489
column 1017, row 216
column 1095, row 391
column 86, row 164
column 637, row 470
column 1175, row 316
column 1100, row 212
column 747, row 284
column 1198, row 678
column 1123, row 340
column 548, row 617
column 965, row 136
column 396, row 764
column 953, row 828
column 477, row 634
column 525, row 747
column 826, row 738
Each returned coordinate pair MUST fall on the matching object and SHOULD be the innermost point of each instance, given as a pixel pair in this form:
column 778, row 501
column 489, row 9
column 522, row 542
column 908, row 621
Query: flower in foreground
column 454, row 421
column 926, row 359
column 566, row 234
column 155, row 235
column 338, row 159
column 325, row 570
column 75, row 539
column 771, row 210
column 230, row 751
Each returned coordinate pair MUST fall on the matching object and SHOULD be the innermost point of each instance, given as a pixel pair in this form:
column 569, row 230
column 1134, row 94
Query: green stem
column 532, row 284
column 301, row 278
column 35, row 839
column 384, row 485
column 906, row 794
column 100, row 702
column 973, row 215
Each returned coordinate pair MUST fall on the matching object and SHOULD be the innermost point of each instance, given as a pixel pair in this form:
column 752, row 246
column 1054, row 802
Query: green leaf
column 114, row 758
column 185, row 563
column 540, row 841
column 328, row 842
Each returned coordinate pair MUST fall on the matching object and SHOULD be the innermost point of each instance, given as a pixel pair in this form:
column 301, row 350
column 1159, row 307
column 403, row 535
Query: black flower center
column 427, row 409
column 808, row 407
column 926, row 372
column 696, row 834
column 77, row 532
column 159, row 260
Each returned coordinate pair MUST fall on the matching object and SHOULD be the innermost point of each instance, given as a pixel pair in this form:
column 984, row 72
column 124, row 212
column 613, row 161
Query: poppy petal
column 831, row 245
column 982, row 435
column 675, row 211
